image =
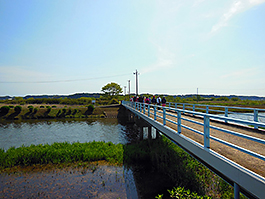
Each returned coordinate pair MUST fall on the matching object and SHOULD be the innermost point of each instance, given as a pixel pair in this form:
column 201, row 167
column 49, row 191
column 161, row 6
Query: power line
column 60, row 81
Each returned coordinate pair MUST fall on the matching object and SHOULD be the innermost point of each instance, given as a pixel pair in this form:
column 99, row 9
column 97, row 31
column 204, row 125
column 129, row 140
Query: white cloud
column 235, row 8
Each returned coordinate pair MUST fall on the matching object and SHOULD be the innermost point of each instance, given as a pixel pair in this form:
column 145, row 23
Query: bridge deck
column 254, row 164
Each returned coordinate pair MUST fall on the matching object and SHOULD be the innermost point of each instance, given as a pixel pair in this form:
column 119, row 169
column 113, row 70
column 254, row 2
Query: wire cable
column 60, row 81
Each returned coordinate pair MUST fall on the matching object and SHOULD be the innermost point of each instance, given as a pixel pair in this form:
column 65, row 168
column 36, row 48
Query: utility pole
column 129, row 86
column 124, row 90
column 136, row 75
column 197, row 95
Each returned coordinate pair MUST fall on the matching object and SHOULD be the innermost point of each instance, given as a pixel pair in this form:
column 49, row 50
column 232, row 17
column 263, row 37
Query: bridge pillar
column 236, row 191
column 141, row 133
column 157, row 134
column 149, row 132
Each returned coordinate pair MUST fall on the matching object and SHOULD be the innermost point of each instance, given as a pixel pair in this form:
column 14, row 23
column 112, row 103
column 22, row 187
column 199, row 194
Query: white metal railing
column 248, row 180
column 164, row 112
column 252, row 114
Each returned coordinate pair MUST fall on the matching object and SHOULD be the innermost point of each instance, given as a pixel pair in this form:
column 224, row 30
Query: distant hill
column 242, row 97
column 73, row 96
column 97, row 95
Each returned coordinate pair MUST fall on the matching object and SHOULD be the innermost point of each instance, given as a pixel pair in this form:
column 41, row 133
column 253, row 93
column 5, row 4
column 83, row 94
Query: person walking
column 147, row 100
column 158, row 101
column 164, row 101
column 153, row 100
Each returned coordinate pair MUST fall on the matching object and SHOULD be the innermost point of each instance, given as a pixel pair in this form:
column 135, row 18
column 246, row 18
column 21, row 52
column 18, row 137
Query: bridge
column 233, row 148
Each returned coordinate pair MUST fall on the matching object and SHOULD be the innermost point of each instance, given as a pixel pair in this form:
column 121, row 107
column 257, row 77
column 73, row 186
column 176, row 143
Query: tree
column 112, row 89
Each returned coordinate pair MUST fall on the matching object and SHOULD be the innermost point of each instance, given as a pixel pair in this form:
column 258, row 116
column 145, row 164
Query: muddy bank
column 96, row 180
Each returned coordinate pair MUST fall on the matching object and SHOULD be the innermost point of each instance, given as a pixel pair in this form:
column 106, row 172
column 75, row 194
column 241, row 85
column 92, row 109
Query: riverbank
column 81, row 179
column 53, row 111
column 159, row 165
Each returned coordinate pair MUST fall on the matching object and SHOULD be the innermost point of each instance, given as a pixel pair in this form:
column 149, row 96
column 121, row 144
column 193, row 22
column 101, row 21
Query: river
column 104, row 181
column 16, row 134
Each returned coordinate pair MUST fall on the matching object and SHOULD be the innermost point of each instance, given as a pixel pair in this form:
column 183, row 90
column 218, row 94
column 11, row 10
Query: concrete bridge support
column 144, row 128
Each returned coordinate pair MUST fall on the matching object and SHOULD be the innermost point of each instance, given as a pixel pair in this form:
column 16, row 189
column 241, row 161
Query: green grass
column 168, row 158
column 179, row 167
column 61, row 153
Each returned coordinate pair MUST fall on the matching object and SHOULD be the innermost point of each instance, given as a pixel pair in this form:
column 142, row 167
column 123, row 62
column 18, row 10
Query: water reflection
column 49, row 131
column 86, row 181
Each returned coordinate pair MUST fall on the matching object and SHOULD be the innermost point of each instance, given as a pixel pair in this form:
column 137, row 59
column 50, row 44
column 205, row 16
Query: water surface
column 16, row 134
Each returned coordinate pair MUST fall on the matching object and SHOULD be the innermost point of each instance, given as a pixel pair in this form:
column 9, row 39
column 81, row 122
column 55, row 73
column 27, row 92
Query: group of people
column 155, row 100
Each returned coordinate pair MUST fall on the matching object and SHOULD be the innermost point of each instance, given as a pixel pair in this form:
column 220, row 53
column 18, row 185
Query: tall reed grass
column 61, row 153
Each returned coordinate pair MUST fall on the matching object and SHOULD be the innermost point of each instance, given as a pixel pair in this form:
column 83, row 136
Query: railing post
column 207, row 109
column 144, row 107
column 164, row 116
column 169, row 104
column 154, row 112
column 179, row 121
column 236, row 191
column 176, row 105
column 206, row 132
column 148, row 110
column 256, row 119
column 183, row 107
column 193, row 107
column 226, row 113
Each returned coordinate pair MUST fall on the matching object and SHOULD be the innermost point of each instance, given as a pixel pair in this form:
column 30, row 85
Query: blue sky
column 65, row 47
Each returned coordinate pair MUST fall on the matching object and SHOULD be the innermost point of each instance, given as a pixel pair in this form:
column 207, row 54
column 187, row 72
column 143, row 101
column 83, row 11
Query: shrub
column 30, row 108
column 180, row 192
column 58, row 114
column 69, row 111
column 75, row 111
column 90, row 109
column 4, row 110
column 113, row 101
column 48, row 110
column 63, row 111
column 35, row 110
column 18, row 109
